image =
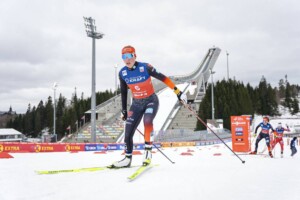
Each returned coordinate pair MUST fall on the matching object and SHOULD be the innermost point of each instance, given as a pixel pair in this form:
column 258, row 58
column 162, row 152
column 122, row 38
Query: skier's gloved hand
column 180, row 95
column 124, row 115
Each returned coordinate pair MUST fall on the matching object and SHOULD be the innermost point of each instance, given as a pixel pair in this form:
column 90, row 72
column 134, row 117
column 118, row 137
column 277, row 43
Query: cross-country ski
column 77, row 170
column 138, row 172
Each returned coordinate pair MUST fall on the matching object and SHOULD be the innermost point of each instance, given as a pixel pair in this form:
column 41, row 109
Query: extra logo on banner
column 1, row 148
column 37, row 148
column 68, row 148
column 72, row 148
column 41, row 148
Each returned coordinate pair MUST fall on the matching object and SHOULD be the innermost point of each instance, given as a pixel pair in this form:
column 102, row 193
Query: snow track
column 208, row 172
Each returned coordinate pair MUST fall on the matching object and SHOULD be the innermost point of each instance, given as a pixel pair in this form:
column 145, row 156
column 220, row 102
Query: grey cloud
column 44, row 42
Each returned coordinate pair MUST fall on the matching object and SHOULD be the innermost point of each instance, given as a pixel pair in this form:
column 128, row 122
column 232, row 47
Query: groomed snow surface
column 209, row 173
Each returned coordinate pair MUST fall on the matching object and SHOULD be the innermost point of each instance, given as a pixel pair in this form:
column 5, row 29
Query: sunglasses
column 127, row 55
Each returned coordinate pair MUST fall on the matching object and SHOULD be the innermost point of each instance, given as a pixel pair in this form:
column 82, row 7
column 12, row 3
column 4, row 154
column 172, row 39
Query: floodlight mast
column 212, row 96
column 54, row 110
column 91, row 32
column 227, row 54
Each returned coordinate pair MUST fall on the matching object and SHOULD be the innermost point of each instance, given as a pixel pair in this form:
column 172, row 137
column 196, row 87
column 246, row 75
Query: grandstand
column 171, row 116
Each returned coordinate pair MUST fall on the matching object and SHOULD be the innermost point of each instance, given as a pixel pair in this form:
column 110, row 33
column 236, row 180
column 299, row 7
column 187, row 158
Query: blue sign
column 239, row 131
column 90, row 147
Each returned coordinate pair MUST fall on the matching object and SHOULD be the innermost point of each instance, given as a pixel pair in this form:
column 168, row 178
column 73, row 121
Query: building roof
column 9, row 131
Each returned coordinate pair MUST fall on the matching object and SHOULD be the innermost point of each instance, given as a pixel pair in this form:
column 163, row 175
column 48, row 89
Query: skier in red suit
column 278, row 134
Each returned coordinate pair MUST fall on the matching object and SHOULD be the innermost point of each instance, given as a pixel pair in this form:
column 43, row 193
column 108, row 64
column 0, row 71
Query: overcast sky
column 42, row 42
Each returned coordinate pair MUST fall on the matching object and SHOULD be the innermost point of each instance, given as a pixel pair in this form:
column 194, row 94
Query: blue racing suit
column 145, row 102
column 264, row 133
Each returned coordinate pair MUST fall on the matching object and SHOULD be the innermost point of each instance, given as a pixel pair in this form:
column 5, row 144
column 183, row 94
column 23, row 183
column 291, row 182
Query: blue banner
column 106, row 147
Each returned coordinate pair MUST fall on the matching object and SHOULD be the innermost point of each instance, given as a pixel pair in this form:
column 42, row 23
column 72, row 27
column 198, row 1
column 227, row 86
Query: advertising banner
column 240, row 130
column 18, row 147
column 92, row 147
column 177, row 144
column 14, row 147
column 56, row 147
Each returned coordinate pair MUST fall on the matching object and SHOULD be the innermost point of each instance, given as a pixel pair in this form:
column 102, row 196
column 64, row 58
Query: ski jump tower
column 201, row 74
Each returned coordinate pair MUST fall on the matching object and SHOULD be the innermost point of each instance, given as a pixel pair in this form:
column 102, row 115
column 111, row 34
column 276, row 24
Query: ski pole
column 195, row 114
column 158, row 148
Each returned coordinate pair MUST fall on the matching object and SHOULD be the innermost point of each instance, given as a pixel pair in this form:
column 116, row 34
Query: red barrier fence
column 16, row 147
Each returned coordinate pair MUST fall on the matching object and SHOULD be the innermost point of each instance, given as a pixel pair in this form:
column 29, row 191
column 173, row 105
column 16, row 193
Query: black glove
column 124, row 115
column 180, row 95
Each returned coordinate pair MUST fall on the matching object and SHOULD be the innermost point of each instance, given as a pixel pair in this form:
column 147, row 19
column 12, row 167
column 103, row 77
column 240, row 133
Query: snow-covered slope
column 209, row 173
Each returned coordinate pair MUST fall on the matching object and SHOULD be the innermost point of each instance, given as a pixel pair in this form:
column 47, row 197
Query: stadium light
column 212, row 96
column 92, row 33
column 227, row 54
column 54, row 109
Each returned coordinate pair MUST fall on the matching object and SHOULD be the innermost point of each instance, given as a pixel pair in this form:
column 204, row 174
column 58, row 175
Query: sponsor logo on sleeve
column 142, row 69
column 124, row 73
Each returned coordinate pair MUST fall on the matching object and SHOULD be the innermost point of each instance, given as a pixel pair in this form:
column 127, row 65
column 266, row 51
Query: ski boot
column 281, row 155
column 253, row 152
column 125, row 162
column 293, row 154
column 147, row 155
column 270, row 154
